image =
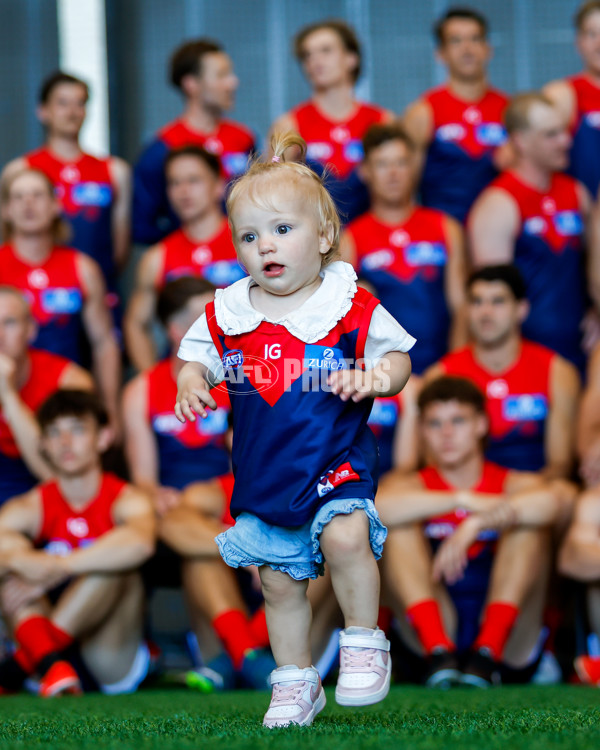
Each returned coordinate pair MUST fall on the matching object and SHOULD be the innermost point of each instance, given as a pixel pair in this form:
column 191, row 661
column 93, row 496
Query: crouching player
column 69, row 550
column 467, row 537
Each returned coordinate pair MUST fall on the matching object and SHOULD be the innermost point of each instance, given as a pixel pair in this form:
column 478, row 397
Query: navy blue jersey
column 585, row 150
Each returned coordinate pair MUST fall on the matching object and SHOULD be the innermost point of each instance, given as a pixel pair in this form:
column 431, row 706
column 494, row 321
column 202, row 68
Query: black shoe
column 443, row 672
column 480, row 670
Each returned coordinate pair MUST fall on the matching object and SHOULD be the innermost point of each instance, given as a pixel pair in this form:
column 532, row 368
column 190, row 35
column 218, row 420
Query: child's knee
column 346, row 536
column 279, row 588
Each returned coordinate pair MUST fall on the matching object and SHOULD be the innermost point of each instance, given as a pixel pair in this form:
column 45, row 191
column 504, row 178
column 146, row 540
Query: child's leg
column 288, row 617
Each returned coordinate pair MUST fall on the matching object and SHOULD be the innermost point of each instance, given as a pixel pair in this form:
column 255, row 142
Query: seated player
column 413, row 256
column 201, row 247
column 203, row 73
column 64, row 287
column 531, row 392
column 27, row 377
column 69, row 550
column 588, row 424
column 467, row 537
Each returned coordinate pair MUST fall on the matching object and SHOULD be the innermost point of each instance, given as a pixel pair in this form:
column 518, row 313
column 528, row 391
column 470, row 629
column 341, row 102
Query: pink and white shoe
column 365, row 667
column 298, row 697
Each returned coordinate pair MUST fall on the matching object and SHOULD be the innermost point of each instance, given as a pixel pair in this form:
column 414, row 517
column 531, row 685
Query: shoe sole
column 444, row 679
column 364, row 700
column 582, row 674
column 318, row 706
column 68, row 686
column 471, row 680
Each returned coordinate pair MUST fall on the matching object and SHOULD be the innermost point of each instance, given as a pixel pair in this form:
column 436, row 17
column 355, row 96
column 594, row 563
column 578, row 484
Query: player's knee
column 345, row 537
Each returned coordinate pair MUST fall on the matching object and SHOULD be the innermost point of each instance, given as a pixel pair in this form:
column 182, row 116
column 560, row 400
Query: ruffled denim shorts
column 294, row 550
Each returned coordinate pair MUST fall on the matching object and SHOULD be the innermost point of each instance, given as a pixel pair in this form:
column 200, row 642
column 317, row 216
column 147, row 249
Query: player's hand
column 351, row 384
column 590, row 464
column 477, row 502
column 165, row 499
column 8, row 372
column 452, row 557
column 38, row 567
column 17, row 593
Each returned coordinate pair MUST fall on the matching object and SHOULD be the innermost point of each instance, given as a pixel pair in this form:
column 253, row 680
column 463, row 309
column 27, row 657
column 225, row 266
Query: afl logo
column 399, row 238
column 340, row 134
column 472, row 115
column 70, row 174
column 201, row 255
column 497, row 389
column 38, row 278
column 78, row 527
column 548, row 205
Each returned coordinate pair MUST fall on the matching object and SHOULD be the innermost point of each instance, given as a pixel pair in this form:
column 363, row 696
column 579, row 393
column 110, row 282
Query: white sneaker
column 365, row 667
column 298, row 697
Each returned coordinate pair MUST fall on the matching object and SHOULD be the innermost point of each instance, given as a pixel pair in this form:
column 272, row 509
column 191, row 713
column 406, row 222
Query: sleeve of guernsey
column 150, row 213
column 197, row 346
column 385, row 335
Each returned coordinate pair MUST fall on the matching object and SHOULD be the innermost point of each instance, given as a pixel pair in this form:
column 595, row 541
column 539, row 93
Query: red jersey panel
column 585, row 128
column 214, row 258
column 65, row 528
column 336, row 143
column 227, row 481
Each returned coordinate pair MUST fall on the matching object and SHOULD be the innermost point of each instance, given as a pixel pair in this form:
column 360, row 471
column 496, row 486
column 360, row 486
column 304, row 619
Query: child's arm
column 193, row 392
column 388, row 377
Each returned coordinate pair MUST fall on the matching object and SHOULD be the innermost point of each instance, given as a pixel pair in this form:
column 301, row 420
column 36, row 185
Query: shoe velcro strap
column 309, row 674
column 364, row 641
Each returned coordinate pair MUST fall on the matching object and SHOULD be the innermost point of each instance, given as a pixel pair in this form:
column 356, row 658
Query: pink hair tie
column 276, row 158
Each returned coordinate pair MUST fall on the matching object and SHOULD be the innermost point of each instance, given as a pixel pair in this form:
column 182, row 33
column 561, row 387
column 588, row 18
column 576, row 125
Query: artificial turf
column 510, row 717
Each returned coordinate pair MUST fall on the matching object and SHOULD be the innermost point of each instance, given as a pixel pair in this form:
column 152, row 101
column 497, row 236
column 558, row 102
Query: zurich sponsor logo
column 319, row 151
column 353, row 151
column 214, row 424
column 525, row 408
column 235, row 163
column 377, row 259
column 593, row 119
column 453, row 131
column 223, row 272
column 92, row 194
column 490, row 134
column 425, row 254
column 61, row 301
column 233, row 359
column 568, row 223
column 166, row 424
column 58, row 547
column 536, row 225
column 324, row 358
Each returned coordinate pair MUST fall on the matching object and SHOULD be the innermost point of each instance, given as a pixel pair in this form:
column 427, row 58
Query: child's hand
column 193, row 395
column 354, row 384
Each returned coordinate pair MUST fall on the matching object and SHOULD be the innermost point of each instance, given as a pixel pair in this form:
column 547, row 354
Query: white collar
column 310, row 322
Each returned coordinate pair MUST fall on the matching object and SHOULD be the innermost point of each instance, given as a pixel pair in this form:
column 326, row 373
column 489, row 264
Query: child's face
column 279, row 242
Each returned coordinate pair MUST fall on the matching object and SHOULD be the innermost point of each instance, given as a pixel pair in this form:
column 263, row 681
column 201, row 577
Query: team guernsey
column 548, row 251
column 518, row 401
column 383, row 421
column 45, row 372
column 64, row 528
column 87, row 193
column 585, row 128
column 213, row 258
column 190, row 452
column 406, row 263
column 459, row 162
column 56, row 293
column 153, row 217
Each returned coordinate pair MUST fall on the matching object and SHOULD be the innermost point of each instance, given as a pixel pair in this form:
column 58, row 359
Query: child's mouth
column 273, row 269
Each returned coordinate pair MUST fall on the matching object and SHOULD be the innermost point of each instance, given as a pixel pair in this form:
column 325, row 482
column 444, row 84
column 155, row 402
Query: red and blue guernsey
column 213, row 259
column 87, row 194
column 518, row 401
column 549, row 253
column 296, row 445
column 406, row 263
column 64, row 528
column 585, row 128
column 190, row 452
column 45, row 372
column 56, row 294
column 153, row 217
column 383, row 420
column 459, row 161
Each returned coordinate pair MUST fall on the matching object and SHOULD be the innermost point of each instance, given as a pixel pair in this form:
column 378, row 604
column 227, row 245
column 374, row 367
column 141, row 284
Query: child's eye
column 248, row 237
column 283, row 229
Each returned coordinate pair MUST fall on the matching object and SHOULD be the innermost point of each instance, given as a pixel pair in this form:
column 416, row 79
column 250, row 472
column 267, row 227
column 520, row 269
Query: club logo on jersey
column 536, row 226
column 425, row 254
column 318, row 151
column 214, row 146
column 453, row 131
column 61, row 301
column 340, row 134
column 335, row 477
column 78, row 527
column 70, row 174
column 235, row 163
column 592, row 119
column 525, row 408
column 399, row 238
column 223, row 272
column 377, row 259
column 38, row 278
column 233, row 359
column 568, row 223
column 353, row 151
column 472, row 115
column 497, row 389
column 324, row 358
column 490, row 134
column 92, row 194
column 548, row 205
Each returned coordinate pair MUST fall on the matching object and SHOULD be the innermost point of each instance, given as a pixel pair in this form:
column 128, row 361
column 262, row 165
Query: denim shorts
column 294, row 550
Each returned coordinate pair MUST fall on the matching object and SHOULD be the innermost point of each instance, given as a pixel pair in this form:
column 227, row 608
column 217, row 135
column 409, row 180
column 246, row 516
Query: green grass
column 511, row 717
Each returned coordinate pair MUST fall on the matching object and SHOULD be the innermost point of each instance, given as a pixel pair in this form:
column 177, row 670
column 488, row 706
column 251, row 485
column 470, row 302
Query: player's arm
column 559, row 440
column 593, row 249
column 455, row 283
column 406, row 443
column 74, row 377
column 20, row 519
column 121, row 212
column 106, row 357
column 191, row 527
column 579, row 556
column 588, row 427
column 348, row 248
column 137, row 324
column 418, row 123
column 492, row 228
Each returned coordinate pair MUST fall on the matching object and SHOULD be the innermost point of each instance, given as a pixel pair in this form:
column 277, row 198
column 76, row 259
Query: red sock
column 62, row 639
column 258, row 626
column 234, row 630
column 426, row 619
column 498, row 622
column 24, row 661
column 384, row 620
column 36, row 637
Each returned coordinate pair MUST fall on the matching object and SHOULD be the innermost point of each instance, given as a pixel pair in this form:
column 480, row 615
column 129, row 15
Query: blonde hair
column 315, row 192
column 516, row 115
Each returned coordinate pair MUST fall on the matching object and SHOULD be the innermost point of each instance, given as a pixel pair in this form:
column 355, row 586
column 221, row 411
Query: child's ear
column 326, row 239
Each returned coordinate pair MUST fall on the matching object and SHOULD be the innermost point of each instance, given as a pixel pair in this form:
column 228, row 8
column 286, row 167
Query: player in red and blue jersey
column 202, row 246
column 531, row 392
column 333, row 122
column 535, row 217
column 414, row 257
column 72, row 546
column 458, row 127
column 203, row 73
column 577, row 97
column 94, row 193
column 478, row 530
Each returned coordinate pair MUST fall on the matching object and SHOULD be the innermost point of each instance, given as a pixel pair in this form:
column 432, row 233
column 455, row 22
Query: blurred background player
column 464, row 533
column 531, row 392
column 458, row 126
column 414, row 257
column 535, row 217
column 94, row 193
column 333, row 122
column 27, row 378
column 203, row 73
column 69, row 550
column 64, row 287
column 202, row 246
